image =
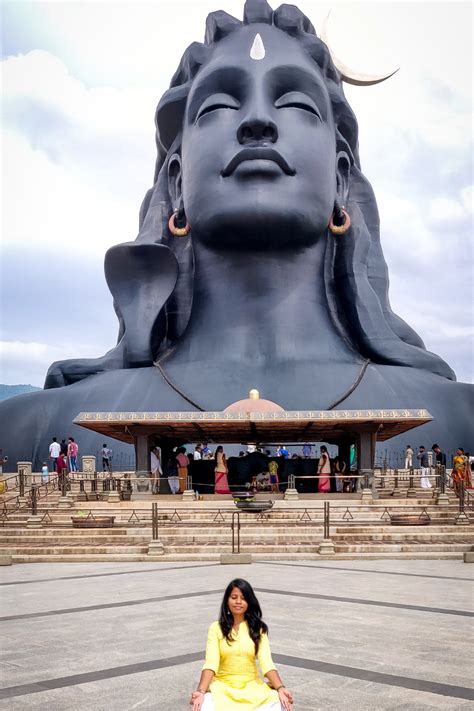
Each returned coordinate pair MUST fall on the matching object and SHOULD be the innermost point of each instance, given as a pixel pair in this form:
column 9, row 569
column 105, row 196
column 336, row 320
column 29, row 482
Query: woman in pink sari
column 220, row 470
column 324, row 470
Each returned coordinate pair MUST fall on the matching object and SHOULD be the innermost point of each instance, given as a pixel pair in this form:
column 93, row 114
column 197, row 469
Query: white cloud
column 80, row 159
column 445, row 210
column 467, row 198
column 34, row 358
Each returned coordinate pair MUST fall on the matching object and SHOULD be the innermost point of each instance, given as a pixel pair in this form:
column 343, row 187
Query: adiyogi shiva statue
column 258, row 260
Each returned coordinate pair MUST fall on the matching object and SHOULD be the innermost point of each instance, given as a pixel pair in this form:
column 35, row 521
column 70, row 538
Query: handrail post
column 462, row 517
column 65, row 501
column 63, row 482
column 396, row 491
column 21, row 475
column 155, row 547
column 411, row 487
column 235, row 537
column 442, row 498
column 326, row 547
column 34, row 500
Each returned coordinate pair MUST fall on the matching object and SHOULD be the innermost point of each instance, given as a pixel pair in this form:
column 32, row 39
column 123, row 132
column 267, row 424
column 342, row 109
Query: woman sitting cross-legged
column 229, row 679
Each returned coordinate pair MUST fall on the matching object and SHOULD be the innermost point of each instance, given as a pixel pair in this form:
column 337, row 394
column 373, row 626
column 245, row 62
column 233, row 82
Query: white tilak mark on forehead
column 257, row 51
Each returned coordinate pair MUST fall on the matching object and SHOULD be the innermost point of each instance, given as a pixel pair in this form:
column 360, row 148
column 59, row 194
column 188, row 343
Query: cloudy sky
column 80, row 81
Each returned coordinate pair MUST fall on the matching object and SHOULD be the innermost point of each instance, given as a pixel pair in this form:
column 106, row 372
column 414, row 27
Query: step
column 447, row 537
column 401, row 548
column 68, row 549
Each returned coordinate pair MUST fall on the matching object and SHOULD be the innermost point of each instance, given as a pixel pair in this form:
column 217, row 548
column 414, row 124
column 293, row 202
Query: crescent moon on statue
column 350, row 76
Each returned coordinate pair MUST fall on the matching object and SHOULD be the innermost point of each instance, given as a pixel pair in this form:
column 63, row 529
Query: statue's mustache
column 257, row 153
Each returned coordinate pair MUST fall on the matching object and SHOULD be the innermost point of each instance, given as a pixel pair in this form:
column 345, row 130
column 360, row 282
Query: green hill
column 7, row 391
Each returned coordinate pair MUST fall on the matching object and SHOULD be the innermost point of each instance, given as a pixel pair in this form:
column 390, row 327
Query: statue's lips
column 257, row 154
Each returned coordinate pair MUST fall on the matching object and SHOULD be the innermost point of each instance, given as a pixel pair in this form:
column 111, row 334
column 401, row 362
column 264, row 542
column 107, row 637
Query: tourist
column 44, row 473
column 221, row 484
column 252, row 485
column 307, row 451
column 63, row 447
column 241, row 453
column 106, row 454
column 61, row 463
column 72, row 450
column 408, row 457
column 263, row 481
column 282, row 451
column 339, row 471
column 230, row 678
column 155, row 468
column 197, row 453
column 461, row 473
column 206, row 453
column 422, row 455
column 273, row 471
column 172, row 475
column 440, row 456
column 183, row 463
column 3, row 460
column 61, row 469
column 324, row 471
column 54, row 452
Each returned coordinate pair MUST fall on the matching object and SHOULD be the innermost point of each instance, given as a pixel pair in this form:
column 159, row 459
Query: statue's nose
column 256, row 130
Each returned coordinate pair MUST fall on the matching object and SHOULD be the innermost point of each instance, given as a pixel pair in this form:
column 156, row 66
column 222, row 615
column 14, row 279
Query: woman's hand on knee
column 197, row 697
column 286, row 698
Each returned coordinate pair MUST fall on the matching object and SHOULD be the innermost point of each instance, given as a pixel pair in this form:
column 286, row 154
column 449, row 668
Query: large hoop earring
column 340, row 229
column 177, row 231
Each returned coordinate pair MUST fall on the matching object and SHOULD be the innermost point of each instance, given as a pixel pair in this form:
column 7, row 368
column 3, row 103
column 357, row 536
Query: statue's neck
column 261, row 308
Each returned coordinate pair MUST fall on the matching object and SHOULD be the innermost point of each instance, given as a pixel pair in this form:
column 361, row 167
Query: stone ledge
column 236, row 558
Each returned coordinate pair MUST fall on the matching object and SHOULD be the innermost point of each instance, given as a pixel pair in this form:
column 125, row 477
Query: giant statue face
column 258, row 152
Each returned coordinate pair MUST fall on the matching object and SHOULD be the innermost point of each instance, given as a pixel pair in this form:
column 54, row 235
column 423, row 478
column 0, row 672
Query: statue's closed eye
column 217, row 101
column 297, row 100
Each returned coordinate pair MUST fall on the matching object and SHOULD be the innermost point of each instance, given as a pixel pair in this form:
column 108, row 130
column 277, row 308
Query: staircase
column 201, row 530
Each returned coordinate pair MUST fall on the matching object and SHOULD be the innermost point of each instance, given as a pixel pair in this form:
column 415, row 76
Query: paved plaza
column 344, row 634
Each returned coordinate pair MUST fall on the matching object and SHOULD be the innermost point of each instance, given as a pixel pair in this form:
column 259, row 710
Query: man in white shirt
column 54, row 451
column 197, row 453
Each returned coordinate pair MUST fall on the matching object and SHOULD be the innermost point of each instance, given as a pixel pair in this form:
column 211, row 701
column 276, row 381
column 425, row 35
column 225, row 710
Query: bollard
column 367, row 491
column 291, row 493
column 188, row 493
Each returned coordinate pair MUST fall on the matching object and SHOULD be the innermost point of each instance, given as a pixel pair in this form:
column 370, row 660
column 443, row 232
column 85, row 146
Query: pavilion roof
column 233, row 427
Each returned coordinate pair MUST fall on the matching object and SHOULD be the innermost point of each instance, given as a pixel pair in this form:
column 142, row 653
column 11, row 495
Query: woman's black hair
column 323, row 448
column 220, row 448
column 253, row 615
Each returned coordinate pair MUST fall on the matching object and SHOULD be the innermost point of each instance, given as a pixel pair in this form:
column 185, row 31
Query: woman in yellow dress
column 230, row 680
column 461, row 471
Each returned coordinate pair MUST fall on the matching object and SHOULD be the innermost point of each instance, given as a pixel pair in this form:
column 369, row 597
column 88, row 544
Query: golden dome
column 254, row 404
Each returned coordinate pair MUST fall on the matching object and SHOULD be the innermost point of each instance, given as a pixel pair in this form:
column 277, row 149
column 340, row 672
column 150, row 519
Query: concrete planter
column 92, row 521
